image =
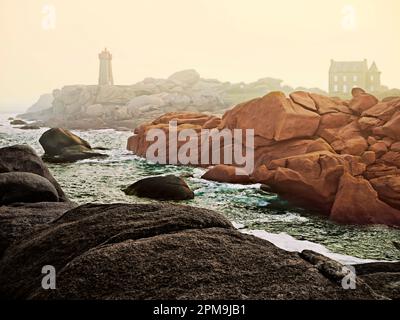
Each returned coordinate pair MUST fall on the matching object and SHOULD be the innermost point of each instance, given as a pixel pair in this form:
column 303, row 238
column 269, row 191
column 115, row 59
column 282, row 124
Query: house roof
column 349, row 66
column 374, row 68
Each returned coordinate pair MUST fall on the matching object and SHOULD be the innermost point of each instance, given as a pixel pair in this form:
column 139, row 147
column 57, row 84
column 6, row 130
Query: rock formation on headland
column 337, row 158
column 113, row 106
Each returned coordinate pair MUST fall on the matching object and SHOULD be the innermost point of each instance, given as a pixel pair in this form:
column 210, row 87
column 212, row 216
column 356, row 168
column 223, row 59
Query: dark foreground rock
column 159, row 251
column 382, row 277
column 25, row 187
column 162, row 188
column 20, row 219
column 61, row 145
column 22, row 158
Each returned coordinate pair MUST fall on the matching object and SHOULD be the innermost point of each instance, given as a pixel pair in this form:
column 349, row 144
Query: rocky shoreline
column 101, row 251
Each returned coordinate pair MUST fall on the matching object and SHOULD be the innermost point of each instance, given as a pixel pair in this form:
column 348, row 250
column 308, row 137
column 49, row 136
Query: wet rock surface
column 158, row 251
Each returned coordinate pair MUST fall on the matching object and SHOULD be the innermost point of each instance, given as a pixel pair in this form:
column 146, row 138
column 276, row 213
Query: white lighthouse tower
column 105, row 73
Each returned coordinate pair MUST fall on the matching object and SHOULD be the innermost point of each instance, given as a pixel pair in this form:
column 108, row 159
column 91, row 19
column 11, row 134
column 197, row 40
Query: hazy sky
column 232, row 40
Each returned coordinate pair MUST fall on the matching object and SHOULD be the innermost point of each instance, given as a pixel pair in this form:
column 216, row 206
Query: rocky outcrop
column 314, row 151
column 167, row 187
column 20, row 159
column 61, row 145
column 96, row 107
column 283, row 119
column 102, row 252
column 44, row 102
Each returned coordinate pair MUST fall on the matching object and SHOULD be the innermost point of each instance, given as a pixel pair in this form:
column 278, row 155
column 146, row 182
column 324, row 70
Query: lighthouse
column 105, row 73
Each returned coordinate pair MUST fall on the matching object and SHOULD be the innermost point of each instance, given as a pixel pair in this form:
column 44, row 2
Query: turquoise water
column 102, row 180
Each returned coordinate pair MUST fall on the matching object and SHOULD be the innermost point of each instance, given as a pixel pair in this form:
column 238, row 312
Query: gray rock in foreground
column 25, row 187
column 382, row 277
column 19, row 219
column 159, row 251
column 167, row 187
column 22, row 158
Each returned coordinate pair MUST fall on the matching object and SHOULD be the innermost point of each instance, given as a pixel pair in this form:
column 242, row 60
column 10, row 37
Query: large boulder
column 22, row 158
column 303, row 145
column 356, row 202
column 61, row 145
column 142, row 251
column 362, row 102
column 388, row 188
column 185, row 77
column 167, row 187
column 145, row 100
column 282, row 118
column 392, row 127
column 229, row 174
column 310, row 180
column 25, row 187
column 19, row 219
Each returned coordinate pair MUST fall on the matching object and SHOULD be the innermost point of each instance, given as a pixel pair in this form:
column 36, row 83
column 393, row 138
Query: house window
column 335, row 88
column 355, row 78
column 344, row 88
column 344, row 78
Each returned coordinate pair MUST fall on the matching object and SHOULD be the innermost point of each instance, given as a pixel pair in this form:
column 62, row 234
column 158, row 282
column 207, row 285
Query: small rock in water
column 30, row 127
column 61, row 145
column 162, row 188
column 18, row 122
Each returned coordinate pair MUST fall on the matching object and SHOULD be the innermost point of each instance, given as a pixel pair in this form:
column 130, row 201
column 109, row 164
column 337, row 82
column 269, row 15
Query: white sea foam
column 288, row 243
